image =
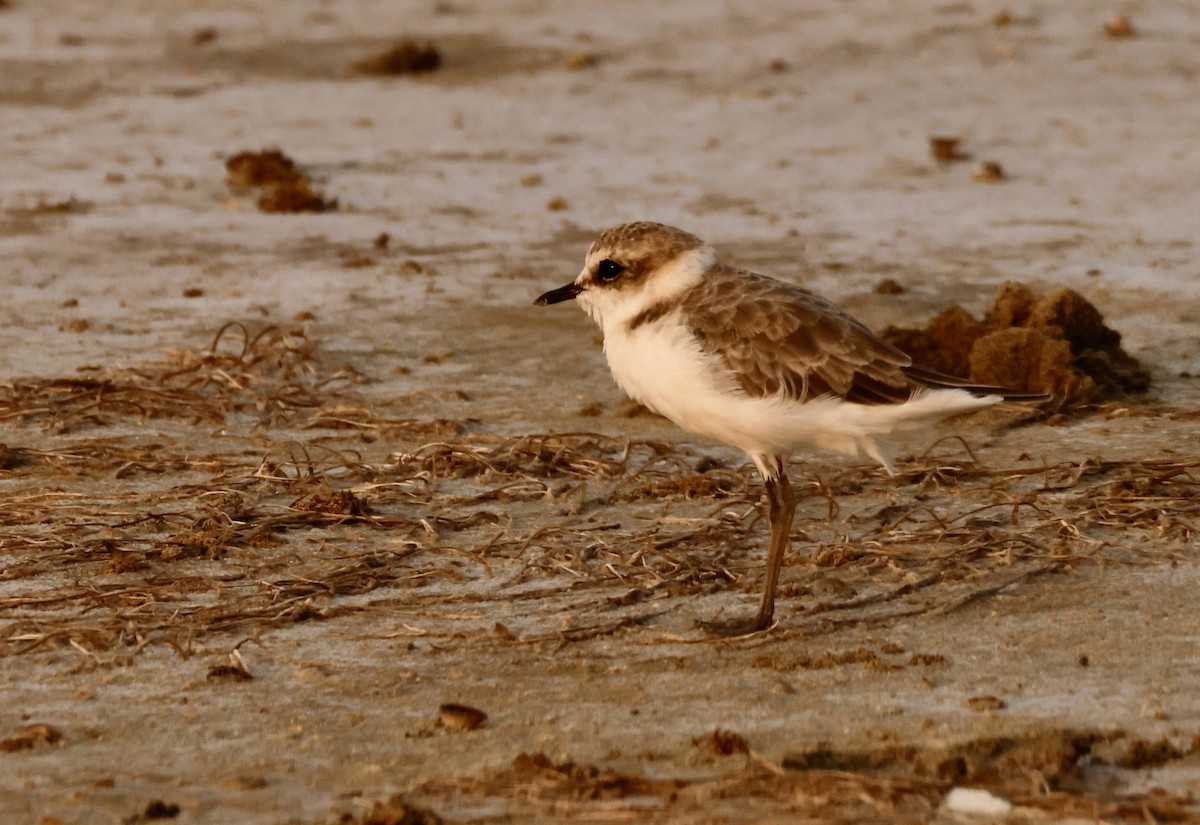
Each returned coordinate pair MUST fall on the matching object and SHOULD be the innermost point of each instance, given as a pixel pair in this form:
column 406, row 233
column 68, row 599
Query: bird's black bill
column 557, row 296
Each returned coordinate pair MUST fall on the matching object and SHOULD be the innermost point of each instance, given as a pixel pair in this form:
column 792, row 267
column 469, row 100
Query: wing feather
column 779, row 338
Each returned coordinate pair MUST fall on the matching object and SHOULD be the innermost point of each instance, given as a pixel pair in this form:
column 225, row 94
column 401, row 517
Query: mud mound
column 1056, row 343
column 282, row 186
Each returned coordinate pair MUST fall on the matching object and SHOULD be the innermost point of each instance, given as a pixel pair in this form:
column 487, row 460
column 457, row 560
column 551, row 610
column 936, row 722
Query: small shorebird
column 764, row 366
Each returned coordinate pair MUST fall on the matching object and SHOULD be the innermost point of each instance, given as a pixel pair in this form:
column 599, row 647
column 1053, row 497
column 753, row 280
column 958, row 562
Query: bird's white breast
column 660, row 365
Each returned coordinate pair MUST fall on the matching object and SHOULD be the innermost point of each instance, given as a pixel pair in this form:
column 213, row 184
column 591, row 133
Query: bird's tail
column 934, row 380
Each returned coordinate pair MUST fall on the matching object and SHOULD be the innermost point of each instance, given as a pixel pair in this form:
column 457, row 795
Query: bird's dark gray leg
column 781, row 510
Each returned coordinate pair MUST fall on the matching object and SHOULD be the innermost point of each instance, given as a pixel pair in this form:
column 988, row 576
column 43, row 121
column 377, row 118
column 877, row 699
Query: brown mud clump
column 394, row 811
column 283, row 187
column 722, row 742
column 1056, row 343
column 30, row 737
column 946, row 149
column 1119, row 26
column 405, row 57
column 460, row 717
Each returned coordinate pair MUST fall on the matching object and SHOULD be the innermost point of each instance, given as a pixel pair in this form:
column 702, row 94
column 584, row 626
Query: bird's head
column 631, row 267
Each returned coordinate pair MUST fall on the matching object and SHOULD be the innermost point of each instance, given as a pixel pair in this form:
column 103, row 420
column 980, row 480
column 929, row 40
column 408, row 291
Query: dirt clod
column 576, row 61
column 404, row 57
column 250, row 169
column 156, row 809
column 945, row 149
column 985, row 704
column 988, row 171
column 30, row 737
column 283, row 187
column 722, row 743
column 1119, row 26
column 297, row 196
column 461, row 717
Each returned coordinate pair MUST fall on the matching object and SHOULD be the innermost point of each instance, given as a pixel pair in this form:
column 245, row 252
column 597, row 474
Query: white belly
column 660, row 364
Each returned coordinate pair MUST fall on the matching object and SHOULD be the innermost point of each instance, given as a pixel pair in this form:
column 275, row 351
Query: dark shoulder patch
column 651, row 314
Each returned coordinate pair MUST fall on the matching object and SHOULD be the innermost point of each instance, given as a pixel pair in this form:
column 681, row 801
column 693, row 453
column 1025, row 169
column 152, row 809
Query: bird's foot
column 738, row 627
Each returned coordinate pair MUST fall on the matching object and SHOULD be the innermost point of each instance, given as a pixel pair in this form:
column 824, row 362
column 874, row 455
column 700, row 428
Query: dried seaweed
column 115, row 535
column 898, row 783
column 272, row 372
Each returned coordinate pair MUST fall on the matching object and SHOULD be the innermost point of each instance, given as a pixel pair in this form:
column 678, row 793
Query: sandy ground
column 242, row 568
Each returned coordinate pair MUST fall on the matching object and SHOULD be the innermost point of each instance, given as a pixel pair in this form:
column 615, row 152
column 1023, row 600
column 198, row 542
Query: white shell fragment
column 975, row 801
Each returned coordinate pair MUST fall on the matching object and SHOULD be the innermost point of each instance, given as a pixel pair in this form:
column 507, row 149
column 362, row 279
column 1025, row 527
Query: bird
column 759, row 364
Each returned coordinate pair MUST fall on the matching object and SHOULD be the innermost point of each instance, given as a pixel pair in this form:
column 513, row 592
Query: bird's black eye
column 608, row 271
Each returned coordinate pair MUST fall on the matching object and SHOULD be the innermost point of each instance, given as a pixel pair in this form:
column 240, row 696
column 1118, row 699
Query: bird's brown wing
column 778, row 338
